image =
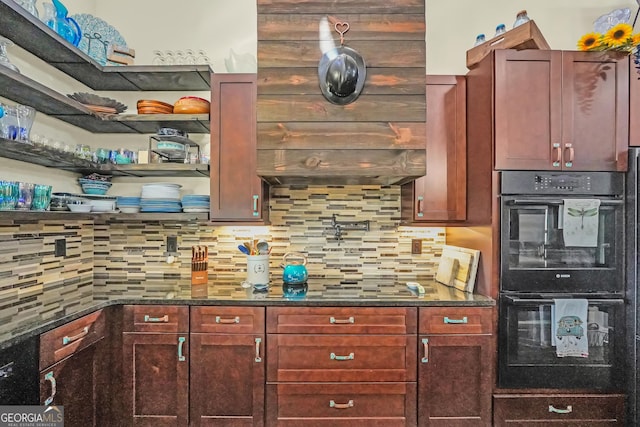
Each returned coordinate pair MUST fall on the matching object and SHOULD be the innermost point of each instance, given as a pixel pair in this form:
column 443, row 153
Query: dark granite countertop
column 317, row 293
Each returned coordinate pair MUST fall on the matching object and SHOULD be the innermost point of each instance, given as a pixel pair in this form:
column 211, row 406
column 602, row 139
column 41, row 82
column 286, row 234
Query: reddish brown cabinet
column 341, row 366
column 455, row 373
column 72, row 374
column 552, row 110
column 441, row 194
column 227, row 373
column 155, row 365
column 237, row 193
column 564, row 410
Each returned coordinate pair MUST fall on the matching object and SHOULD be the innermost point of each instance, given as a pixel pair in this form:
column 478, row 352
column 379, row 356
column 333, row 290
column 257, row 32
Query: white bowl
column 103, row 205
column 129, row 209
column 80, row 207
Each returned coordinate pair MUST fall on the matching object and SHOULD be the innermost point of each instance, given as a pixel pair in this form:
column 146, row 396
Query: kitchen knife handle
column 49, row 377
column 228, row 321
column 568, row 410
column 425, row 346
column 333, row 404
column 163, row 319
column 68, row 340
column 447, row 320
column 181, row 341
column 258, row 359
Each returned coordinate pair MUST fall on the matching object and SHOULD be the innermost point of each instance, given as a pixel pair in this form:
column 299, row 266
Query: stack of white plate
column 160, row 197
column 195, row 203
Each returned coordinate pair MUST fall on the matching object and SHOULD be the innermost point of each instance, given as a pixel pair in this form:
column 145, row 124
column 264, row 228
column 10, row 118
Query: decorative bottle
column 479, row 39
column 500, row 29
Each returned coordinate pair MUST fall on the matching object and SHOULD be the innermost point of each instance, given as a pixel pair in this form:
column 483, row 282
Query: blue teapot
column 294, row 271
column 58, row 20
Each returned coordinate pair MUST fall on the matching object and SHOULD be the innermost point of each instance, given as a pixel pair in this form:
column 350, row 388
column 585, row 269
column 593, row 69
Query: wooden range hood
column 304, row 139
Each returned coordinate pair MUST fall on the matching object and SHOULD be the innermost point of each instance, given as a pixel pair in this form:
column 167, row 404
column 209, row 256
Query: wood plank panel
column 361, row 27
column 379, row 81
column 333, row 162
column 360, row 135
column 342, row 6
column 294, row 53
column 311, row 108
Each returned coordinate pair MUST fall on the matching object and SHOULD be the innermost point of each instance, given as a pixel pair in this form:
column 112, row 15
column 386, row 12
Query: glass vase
column 66, row 27
column 4, row 59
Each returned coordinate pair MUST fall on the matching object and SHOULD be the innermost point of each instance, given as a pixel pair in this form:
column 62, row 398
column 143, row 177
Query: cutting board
column 447, row 270
column 468, row 259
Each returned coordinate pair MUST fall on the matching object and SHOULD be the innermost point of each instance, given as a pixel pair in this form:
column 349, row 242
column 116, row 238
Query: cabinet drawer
column 155, row 318
column 343, row 320
column 575, row 409
column 227, row 320
column 63, row 341
column 330, row 358
column 455, row 320
column 347, row 404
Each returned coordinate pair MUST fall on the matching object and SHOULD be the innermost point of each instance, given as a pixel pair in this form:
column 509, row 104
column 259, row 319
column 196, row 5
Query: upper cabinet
column 441, row 194
column 237, row 193
column 34, row 36
column 552, row 110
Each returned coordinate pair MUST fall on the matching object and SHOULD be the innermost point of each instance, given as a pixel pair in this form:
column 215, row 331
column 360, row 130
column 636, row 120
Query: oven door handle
column 594, row 301
column 606, row 202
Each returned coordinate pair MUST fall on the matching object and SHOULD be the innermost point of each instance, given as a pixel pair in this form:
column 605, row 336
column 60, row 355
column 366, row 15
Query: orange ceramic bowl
column 151, row 106
column 191, row 105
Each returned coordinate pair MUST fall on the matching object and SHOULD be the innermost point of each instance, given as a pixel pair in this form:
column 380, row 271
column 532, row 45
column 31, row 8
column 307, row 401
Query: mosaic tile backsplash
column 125, row 257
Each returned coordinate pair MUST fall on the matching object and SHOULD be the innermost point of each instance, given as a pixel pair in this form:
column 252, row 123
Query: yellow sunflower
column 618, row 35
column 635, row 39
column 589, row 41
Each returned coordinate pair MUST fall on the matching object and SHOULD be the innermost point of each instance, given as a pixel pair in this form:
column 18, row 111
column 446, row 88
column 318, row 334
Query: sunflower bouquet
column 618, row 38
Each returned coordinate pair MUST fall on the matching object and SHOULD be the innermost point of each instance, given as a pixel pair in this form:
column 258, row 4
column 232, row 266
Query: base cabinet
column 455, row 367
column 71, row 370
column 558, row 410
column 203, row 368
column 330, row 366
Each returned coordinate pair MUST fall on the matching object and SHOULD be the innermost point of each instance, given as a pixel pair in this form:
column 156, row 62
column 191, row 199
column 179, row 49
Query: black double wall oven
column 561, row 297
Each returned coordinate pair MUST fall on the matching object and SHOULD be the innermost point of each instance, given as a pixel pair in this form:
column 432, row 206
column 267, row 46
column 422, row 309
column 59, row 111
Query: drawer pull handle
column 333, row 404
column 227, row 321
column 163, row 319
column 425, row 346
column 68, row 340
column 558, row 155
column 455, row 321
column 49, row 377
column 351, row 319
column 255, row 212
column 419, row 210
column 555, row 410
column 333, row 356
column 181, row 341
column 258, row 359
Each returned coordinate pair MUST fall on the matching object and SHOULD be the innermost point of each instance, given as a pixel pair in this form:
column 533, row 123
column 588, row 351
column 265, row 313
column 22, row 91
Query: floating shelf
column 56, row 215
column 49, row 157
column 31, row 34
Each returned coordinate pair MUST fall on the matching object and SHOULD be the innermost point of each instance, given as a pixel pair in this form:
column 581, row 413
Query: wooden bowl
column 150, row 106
column 191, row 105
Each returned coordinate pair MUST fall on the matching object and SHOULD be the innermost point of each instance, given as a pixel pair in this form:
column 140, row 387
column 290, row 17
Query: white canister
column 258, row 269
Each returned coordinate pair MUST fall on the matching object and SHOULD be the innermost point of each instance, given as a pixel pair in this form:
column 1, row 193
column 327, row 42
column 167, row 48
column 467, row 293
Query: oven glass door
column 539, row 254
column 529, row 344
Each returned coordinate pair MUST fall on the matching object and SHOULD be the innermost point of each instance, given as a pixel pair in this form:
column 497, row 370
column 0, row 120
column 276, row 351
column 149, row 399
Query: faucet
column 340, row 226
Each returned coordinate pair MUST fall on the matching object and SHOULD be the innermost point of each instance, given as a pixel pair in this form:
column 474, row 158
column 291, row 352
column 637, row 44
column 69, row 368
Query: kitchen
column 126, row 255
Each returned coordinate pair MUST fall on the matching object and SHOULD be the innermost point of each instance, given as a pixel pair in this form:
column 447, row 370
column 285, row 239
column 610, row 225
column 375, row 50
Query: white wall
column 220, row 25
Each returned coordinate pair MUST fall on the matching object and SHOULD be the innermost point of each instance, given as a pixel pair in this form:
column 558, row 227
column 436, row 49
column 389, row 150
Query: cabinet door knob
column 163, row 319
column 555, row 410
column 258, row 359
column 181, row 341
column 49, row 377
column 68, row 340
column 333, row 404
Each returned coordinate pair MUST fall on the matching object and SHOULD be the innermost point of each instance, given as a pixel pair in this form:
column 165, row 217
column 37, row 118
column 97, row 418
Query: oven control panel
column 567, row 183
column 561, row 183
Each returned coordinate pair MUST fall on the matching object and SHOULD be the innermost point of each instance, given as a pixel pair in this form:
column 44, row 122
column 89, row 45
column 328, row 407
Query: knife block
column 199, row 271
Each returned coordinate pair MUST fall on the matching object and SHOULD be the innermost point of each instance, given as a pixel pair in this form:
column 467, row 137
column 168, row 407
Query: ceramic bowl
column 191, row 105
column 80, row 207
